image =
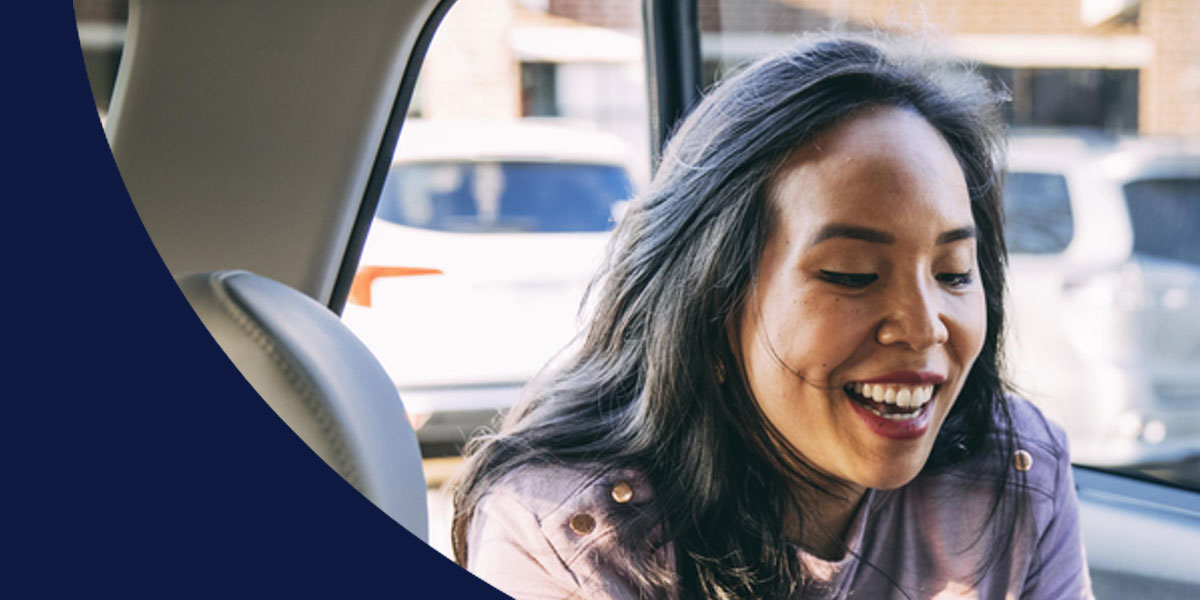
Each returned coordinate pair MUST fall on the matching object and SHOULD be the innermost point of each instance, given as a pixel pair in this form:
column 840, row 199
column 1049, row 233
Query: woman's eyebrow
column 875, row 236
column 954, row 235
column 853, row 232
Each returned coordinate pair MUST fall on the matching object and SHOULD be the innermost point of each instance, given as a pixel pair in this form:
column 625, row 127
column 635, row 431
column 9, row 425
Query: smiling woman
column 866, row 292
column 789, row 385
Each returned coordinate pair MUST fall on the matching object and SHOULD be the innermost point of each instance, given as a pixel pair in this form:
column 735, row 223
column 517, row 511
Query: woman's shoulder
column 1024, row 460
column 1019, row 484
column 1039, row 447
column 562, row 493
column 561, row 479
column 1025, row 449
column 1032, row 428
column 544, row 530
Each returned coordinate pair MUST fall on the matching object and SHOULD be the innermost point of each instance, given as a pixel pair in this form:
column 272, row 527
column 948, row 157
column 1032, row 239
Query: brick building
column 1125, row 65
column 1121, row 65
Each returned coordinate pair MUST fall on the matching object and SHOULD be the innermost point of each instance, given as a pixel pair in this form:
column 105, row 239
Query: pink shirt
column 544, row 532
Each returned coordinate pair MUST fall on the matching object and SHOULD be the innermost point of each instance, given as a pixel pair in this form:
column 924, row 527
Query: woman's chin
column 891, row 474
column 891, row 483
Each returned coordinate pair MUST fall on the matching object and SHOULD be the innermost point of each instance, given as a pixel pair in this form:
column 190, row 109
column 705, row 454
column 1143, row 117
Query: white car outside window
column 1105, row 292
column 484, row 241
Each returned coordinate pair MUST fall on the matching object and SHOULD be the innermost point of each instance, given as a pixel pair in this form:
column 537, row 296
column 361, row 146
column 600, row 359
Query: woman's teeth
column 902, row 396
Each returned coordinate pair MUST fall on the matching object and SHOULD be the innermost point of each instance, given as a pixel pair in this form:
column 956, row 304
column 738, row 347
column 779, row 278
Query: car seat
column 321, row 380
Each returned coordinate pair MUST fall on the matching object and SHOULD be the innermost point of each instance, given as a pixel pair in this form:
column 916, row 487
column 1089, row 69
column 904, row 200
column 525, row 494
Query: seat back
column 321, row 380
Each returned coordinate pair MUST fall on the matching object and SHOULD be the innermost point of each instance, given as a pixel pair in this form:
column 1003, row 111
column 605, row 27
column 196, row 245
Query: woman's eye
column 850, row 280
column 955, row 280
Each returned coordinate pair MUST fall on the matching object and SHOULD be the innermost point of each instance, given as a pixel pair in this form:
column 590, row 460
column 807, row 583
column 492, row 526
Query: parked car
column 483, row 243
column 1105, row 284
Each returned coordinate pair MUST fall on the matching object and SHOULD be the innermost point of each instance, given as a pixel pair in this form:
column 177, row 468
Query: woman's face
column 868, row 311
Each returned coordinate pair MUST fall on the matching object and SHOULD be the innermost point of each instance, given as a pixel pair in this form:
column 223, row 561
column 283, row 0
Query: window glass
column 1037, row 213
column 539, row 93
column 527, row 133
column 1164, row 214
column 1052, row 97
column 504, row 196
column 1104, row 336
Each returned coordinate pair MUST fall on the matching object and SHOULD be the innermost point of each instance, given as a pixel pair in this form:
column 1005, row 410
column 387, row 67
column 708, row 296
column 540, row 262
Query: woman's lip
column 896, row 430
column 907, row 378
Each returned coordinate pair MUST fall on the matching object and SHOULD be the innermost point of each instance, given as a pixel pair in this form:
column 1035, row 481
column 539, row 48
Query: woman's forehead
column 883, row 165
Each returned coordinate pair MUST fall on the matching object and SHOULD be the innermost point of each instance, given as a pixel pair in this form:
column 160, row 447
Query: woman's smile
column 896, row 405
column 867, row 313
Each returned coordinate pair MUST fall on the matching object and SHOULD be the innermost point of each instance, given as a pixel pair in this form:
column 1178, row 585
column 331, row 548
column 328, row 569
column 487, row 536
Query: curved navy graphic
column 143, row 462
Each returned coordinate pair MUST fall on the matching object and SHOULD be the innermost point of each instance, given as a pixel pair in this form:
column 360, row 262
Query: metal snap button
column 582, row 523
column 622, row 492
column 1022, row 460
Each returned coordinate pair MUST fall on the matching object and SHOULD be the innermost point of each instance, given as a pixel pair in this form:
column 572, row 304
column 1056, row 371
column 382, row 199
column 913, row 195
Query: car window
column 470, row 196
column 1103, row 332
column 1037, row 213
column 527, row 133
column 1164, row 214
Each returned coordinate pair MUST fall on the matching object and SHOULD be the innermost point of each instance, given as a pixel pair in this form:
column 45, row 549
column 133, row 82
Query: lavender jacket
column 545, row 532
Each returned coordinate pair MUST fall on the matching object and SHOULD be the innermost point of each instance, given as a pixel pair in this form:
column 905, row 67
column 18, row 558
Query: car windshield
column 1164, row 213
column 482, row 197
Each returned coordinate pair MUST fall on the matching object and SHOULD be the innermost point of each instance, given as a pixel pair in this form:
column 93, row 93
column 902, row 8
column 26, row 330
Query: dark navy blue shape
column 138, row 460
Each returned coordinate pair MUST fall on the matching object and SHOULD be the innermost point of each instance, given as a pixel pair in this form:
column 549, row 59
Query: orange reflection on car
column 360, row 289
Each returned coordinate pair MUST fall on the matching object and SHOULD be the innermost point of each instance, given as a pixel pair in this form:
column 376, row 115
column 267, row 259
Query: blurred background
column 529, row 130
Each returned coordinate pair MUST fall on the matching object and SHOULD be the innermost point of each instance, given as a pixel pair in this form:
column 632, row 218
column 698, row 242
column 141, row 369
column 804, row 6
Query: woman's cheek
column 969, row 325
column 830, row 329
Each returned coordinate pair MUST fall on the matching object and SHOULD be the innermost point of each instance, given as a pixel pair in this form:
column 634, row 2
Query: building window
column 1042, row 97
column 539, row 97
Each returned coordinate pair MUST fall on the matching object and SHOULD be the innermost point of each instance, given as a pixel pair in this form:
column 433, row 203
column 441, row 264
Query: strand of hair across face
column 770, row 346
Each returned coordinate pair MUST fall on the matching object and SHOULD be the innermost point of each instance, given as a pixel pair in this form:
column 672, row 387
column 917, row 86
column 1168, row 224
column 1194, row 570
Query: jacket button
column 582, row 523
column 1022, row 460
column 622, row 492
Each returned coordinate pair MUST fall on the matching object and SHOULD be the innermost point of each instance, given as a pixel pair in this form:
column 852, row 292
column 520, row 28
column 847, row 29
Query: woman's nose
column 913, row 318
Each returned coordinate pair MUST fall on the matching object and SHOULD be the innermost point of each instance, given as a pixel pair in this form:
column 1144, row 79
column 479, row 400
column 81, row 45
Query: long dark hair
column 654, row 384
